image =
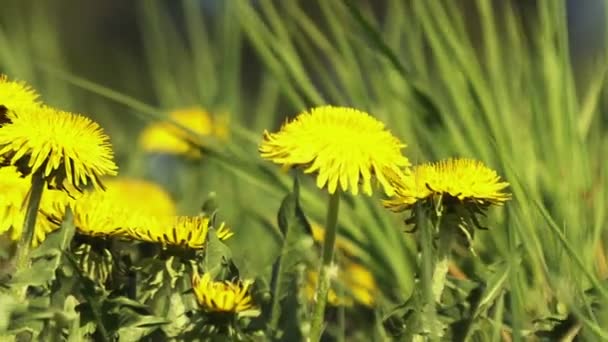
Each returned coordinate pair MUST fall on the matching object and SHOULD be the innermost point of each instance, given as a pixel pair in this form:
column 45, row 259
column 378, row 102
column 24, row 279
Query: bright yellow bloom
column 140, row 196
column 13, row 197
column 163, row 137
column 223, row 296
column 360, row 283
column 64, row 146
column 126, row 204
column 344, row 146
column 465, row 180
column 181, row 231
column 98, row 215
column 15, row 98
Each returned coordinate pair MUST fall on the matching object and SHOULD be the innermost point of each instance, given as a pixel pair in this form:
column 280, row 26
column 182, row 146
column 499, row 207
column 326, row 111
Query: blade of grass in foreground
column 571, row 251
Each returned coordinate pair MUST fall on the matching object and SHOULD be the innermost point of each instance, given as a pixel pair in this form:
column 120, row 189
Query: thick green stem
column 427, row 268
column 318, row 313
column 29, row 224
column 275, row 312
column 444, row 250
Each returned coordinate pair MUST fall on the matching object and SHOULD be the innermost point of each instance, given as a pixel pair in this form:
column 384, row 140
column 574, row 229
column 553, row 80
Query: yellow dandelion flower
column 223, row 296
column 63, row 146
column 467, row 181
column 126, row 204
column 163, row 137
column 344, row 146
column 13, row 194
column 15, row 98
column 360, row 283
column 98, row 215
column 181, row 231
column 141, row 196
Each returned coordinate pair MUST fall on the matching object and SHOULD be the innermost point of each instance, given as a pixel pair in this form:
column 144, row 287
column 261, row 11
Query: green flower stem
column 444, row 250
column 426, row 278
column 318, row 314
column 275, row 312
column 29, row 224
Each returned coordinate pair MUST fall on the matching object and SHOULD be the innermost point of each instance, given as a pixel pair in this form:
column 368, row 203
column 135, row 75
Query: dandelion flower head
column 223, row 296
column 15, row 98
column 179, row 231
column 467, row 181
column 63, row 146
column 164, row 137
column 97, row 214
column 140, row 196
column 13, row 197
column 344, row 146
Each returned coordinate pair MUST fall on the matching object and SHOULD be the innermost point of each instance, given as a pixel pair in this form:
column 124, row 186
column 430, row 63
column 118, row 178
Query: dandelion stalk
column 29, row 224
column 318, row 314
column 442, row 260
column 427, row 266
column 443, row 250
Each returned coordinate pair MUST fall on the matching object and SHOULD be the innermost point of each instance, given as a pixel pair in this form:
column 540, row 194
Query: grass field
column 491, row 81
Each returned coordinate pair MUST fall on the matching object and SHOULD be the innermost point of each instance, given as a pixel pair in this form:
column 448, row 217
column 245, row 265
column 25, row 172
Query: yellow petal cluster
column 13, row 195
column 163, row 137
column 126, row 203
column 140, row 196
column 180, row 231
column 345, row 147
column 99, row 215
column 15, row 98
column 222, row 296
column 461, row 179
column 63, row 146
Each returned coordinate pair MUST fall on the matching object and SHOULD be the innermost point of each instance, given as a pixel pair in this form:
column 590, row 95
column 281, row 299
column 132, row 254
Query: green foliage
column 296, row 232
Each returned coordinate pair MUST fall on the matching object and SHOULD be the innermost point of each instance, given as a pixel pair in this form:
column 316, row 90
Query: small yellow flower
column 163, row 137
column 140, row 196
column 13, row 195
column 98, row 215
column 344, row 146
column 463, row 180
column 360, row 283
column 15, row 98
column 223, row 296
column 181, row 231
column 63, row 146
column 126, row 204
